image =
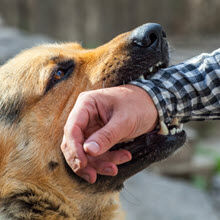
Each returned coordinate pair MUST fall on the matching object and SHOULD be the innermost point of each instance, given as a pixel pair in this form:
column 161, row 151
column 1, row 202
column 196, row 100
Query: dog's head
column 38, row 89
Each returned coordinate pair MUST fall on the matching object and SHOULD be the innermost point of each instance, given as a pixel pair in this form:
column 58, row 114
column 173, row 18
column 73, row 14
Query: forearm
column 188, row 91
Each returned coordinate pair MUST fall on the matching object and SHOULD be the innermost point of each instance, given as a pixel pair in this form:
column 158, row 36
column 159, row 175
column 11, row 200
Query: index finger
column 72, row 145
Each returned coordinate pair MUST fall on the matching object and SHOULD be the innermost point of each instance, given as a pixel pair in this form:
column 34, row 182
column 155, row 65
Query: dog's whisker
column 126, row 193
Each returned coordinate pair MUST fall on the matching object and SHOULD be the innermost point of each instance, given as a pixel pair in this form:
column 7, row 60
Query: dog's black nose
column 148, row 35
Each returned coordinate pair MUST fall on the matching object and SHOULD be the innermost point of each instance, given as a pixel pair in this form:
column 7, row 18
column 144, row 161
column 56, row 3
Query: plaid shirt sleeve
column 187, row 91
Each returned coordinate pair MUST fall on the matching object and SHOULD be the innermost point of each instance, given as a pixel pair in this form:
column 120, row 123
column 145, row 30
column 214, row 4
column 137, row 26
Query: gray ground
column 146, row 196
column 151, row 197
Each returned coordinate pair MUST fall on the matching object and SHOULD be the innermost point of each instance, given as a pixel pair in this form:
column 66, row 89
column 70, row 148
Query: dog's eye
column 59, row 75
column 61, row 72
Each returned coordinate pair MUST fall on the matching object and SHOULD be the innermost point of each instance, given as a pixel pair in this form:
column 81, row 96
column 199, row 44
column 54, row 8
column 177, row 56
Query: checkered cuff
column 187, row 91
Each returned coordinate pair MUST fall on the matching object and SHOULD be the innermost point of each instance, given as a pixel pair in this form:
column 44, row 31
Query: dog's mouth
column 154, row 146
column 147, row 148
column 153, row 69
column 145, row 55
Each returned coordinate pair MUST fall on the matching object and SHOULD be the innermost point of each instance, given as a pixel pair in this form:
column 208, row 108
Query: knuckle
column 86, row 99
column 63, row 146
column 83, row 94
column 82, row 164
column 69, row 156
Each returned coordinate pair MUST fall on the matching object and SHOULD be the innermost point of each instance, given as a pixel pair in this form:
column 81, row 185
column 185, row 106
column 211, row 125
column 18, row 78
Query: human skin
column 99, row 120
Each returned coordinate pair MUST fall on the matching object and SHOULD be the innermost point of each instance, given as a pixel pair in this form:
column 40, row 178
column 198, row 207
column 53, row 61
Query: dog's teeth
column 175, row 122
column 141, row 77
column 173, row 131
column 163, row 129
column 178, row 130
column 151, row 69
column 158, row 64
column 128, row 141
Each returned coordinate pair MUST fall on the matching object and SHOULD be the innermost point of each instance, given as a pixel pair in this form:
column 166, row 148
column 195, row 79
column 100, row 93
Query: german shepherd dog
column 38, row 89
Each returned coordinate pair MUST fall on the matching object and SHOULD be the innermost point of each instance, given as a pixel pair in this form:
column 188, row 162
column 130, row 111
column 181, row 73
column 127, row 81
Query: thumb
column 103, row 139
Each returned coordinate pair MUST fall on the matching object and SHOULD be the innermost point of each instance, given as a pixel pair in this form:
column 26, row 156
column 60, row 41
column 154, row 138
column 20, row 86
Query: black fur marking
column 53, row 165
column 28, row 204
column 10, row 110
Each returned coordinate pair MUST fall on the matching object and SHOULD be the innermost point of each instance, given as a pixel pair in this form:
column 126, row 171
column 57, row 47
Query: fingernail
column 86, row 177
column 125, row 158
column 75, row 164
column 92, row 147
column 108, row 170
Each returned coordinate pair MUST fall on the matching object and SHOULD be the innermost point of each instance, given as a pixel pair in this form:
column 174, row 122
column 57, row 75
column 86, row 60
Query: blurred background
column 187, row 185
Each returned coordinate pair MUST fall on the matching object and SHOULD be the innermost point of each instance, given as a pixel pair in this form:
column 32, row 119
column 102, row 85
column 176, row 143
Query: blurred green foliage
column 200, row 182
column 207, row 152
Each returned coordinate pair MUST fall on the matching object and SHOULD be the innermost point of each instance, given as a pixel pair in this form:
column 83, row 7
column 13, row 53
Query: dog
column 38, row 89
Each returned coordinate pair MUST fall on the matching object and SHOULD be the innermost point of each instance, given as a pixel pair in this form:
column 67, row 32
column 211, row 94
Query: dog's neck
column 104, row 208
column 30, row 201
column 24, row 194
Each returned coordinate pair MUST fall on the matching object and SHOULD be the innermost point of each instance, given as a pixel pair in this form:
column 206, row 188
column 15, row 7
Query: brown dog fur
column 33, row 185
column 34, row 182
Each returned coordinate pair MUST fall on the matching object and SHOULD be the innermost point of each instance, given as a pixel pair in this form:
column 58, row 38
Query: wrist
column 149, row 116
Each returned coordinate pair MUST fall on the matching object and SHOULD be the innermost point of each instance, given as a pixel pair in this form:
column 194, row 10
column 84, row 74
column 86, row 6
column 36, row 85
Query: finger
column 88, row 173
column 105, row 168
column 106, row 163
column 72, row 146
column 103, row 139
column 117, row 157
column 71, row 156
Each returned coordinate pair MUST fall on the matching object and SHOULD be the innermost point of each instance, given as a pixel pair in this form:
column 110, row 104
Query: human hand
column 99, row 120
